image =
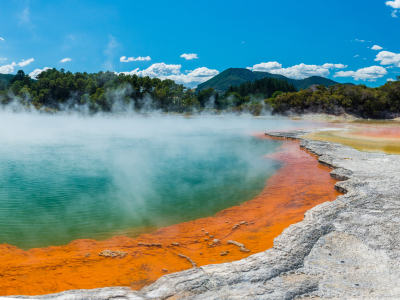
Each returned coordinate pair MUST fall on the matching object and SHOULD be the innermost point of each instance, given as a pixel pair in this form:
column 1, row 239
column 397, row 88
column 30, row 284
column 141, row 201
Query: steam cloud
column 102, row 175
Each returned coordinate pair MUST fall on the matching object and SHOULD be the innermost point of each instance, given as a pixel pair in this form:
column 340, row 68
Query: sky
column 190, row 41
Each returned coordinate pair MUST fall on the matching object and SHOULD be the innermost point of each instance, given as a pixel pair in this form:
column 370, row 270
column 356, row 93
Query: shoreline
column 147, row 263
column 345, row 249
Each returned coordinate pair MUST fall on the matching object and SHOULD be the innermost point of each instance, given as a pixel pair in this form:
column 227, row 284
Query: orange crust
column 298, row 186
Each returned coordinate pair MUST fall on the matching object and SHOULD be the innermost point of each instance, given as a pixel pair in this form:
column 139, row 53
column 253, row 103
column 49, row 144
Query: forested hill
column 237, row 76
column 5, row 80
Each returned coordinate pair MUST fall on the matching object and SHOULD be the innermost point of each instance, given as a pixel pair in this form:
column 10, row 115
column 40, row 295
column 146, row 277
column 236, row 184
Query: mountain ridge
column 235, row 76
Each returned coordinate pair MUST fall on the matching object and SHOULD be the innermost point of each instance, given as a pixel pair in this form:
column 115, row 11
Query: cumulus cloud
column 390, row 79
column 376, row 47
column 356, row 55
column 125, row 59
column 1, row 39
column 388, row 58
column 65, row 60
column 36, row 72
column 8, row 69
column 267, row 67
column 370, row 73
column 394, row 4
column 300, row 71
column 156, row 70
column 189, row 56
column 394, row 14
column 334, row 66
column 173, row 72
column 24, row 63
column 197, row 76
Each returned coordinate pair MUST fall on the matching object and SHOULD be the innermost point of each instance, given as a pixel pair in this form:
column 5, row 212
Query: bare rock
column 345, row 249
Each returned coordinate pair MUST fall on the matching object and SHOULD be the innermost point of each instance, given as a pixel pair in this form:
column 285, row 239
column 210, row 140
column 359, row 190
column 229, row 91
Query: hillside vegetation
column 5, row 80
column 98, row 92
column 57, row 90
column 237, row 76
column 382, row 102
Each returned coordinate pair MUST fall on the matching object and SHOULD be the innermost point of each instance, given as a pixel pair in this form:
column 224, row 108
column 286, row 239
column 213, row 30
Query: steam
column 69, row 176
column 120, row 102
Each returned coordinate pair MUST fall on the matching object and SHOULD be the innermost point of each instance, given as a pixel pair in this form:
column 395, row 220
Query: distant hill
column 6, row 77
column 236, row 76
column 4, row 80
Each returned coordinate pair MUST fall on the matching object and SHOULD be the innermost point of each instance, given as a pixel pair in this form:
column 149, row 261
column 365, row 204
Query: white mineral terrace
column 345, row 249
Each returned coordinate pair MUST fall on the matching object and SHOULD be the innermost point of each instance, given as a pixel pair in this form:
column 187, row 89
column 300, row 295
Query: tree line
column 246, row 97
column 378, row 103
column 103, row 91
column 57, row 90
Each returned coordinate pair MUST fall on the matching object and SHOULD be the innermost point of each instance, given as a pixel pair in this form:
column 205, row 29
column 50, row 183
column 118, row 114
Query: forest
column 57, row 90
column 375, row 103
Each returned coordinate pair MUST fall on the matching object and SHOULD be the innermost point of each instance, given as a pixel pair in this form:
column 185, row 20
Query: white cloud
column 2, row 58
column 376, row 47
column 37, row 72
column 394, row 4
column 267, row 67
column 394, row 14
column 8, row 69
column 1, row 39
column 24, row 63
column 300, row 71
column 356, row 55
column 369, row 73
column 390, row 79
column 156, row 70
column 173, row 72
column 197, row 76
column 334, row 66
column 361, row 41
column 65, row 60
column 124, row 59
column 388, row 58
column 189, row 56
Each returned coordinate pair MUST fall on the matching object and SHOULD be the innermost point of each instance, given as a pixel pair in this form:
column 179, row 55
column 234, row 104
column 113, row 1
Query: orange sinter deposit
column 299, row 185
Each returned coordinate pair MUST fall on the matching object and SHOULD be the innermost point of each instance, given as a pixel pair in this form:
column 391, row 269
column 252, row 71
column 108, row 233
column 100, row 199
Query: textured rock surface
column 345, row 249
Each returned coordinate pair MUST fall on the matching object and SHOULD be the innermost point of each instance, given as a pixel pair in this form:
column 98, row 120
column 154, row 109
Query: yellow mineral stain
column 370, row 138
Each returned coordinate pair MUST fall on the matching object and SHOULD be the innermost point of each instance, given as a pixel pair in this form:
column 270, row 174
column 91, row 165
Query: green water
column 66, row 178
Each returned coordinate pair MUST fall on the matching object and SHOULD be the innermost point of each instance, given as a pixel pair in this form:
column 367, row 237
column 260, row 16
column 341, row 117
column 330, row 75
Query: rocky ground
column 345, row 249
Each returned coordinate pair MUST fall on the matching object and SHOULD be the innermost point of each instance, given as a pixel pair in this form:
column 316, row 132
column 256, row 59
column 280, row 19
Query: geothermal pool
column 66, row 177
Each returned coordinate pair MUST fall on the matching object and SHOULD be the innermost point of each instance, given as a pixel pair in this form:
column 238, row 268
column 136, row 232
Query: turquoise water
column 64, row 178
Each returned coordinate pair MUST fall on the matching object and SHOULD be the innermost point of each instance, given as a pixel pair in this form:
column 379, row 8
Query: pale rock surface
column 345, row 249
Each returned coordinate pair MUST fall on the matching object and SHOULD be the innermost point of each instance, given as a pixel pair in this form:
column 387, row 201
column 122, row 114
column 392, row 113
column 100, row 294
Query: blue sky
column 297, row 39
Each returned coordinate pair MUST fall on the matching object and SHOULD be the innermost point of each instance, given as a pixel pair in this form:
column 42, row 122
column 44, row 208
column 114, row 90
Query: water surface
column 66, row 177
